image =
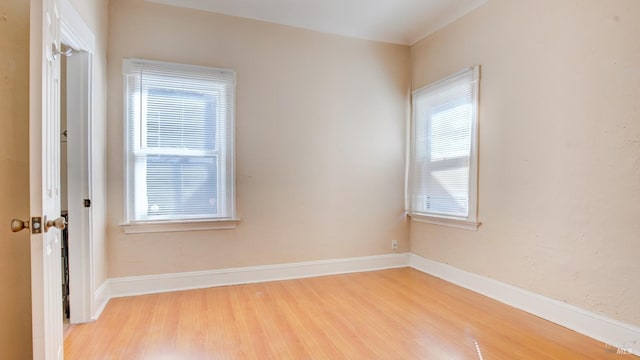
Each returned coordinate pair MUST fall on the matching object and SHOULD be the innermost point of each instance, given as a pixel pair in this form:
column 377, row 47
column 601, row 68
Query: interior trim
column 149, row 284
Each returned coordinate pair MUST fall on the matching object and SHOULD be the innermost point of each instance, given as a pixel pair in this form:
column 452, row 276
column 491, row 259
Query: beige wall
column 15, row 263
column 94, row 13
column 320, row 140
column 559, row 149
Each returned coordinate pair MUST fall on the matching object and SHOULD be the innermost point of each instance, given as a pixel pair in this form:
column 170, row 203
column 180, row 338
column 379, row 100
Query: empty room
column 331, row 179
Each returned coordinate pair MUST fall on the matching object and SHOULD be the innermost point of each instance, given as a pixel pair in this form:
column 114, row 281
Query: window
column 443, row 163
column 179, row 142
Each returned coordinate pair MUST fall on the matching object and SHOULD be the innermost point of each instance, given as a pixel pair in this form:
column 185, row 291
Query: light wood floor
column 390, row 314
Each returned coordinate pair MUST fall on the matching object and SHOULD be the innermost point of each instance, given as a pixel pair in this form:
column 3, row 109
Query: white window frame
column 135, row 192
column 470, row 222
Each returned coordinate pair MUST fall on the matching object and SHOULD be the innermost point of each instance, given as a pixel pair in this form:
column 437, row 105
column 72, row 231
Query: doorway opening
column 64, row 191
column 75, row 185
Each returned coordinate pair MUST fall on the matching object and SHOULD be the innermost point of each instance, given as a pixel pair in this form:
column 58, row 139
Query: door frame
column 76, row 34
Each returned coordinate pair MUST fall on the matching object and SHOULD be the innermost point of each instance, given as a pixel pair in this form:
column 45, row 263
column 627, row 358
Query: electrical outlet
column 394, row 244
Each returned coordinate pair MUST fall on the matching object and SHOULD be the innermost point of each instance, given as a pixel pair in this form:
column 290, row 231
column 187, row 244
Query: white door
column 44, row 147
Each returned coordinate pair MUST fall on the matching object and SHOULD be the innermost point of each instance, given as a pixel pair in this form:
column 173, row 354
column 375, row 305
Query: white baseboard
column 100, row 299
column 138, row 285
column 625, row 337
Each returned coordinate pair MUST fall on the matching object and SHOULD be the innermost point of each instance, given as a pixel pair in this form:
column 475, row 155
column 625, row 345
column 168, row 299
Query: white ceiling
column 395, row 21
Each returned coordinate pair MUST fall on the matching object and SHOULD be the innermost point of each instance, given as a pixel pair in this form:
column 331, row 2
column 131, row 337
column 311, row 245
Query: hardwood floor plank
column 389, row 314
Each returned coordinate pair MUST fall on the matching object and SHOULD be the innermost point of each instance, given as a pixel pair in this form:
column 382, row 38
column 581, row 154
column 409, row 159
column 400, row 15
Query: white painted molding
column 74, row 30
column 622, row 336
column 100, row 299
column 138, row 285
column 173, row 226
column 446, row 221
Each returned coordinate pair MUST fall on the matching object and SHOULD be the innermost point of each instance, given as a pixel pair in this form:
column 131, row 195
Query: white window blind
column 179, row 141
column 443, row 173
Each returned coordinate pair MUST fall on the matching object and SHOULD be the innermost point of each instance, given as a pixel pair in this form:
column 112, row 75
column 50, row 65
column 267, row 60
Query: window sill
column 175, row 226
column 446, row 221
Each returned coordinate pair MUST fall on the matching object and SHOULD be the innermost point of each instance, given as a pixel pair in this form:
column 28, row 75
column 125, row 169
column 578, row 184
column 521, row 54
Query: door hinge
column 87, row 203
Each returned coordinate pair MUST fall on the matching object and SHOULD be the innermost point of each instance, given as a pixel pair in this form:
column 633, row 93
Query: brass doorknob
column 58, row 223
column 17, row 225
